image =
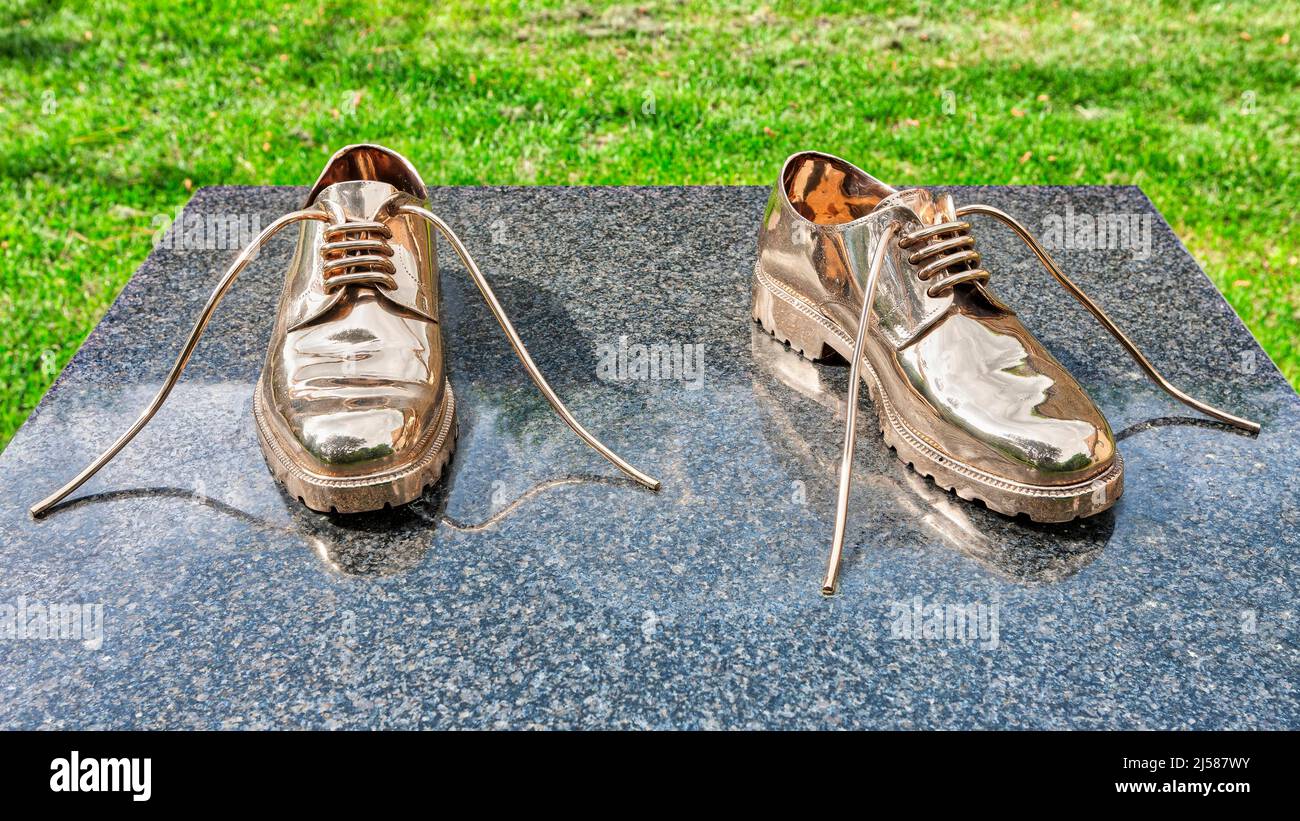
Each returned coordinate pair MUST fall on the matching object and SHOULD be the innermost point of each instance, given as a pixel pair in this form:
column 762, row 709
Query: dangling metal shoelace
column 949, row 247
column 355, row 252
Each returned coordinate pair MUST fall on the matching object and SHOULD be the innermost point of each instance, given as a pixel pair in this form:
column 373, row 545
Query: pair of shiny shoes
column 355, row 413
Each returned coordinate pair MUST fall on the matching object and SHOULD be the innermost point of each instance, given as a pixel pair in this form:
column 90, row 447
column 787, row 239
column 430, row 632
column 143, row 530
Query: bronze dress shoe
column 354, row 411
column 888, row 280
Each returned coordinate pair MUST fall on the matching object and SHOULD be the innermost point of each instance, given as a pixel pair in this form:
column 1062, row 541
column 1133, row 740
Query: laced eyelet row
column 950, row 249
column 358, row 252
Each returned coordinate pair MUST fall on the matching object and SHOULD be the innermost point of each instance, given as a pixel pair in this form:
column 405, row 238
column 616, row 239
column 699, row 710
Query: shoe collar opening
column 827, row 190
column 367, row 161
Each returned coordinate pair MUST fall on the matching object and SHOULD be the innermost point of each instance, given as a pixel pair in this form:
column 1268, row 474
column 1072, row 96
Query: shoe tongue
column 359, row 199
column 929, row 210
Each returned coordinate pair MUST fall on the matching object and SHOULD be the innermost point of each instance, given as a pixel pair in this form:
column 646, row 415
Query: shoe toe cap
column 355, row 438
column 1002, row 404
column 1066, row 450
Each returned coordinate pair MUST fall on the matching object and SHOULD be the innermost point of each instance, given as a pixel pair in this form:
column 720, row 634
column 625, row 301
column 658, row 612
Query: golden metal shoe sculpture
column 889, row 280
column 354, row 410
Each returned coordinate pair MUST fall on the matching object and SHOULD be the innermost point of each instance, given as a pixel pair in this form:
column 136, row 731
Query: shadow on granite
column 537, row 588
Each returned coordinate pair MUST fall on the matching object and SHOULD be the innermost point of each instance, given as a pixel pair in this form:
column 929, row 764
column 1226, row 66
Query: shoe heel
column 790, row 325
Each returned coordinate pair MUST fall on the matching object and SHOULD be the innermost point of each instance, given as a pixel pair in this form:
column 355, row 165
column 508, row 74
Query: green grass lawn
column 110, row 116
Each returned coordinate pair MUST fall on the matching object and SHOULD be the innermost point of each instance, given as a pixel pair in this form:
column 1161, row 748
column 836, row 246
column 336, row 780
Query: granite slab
column 537, row 588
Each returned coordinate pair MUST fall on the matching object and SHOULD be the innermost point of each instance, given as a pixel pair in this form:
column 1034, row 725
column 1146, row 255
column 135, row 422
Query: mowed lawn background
column 112, row 112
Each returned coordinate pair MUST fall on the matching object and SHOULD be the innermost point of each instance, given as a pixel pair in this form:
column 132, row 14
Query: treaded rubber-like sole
column 358, row 494
column 791, row 320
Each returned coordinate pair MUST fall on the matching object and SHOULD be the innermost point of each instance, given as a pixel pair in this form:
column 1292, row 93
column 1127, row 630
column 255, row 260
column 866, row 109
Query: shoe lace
column 946, row 248
column 355, row 254
column 947, row 251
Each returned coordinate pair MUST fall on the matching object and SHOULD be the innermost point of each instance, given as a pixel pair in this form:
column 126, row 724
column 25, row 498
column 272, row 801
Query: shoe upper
column 355, row 371
column 958, row 365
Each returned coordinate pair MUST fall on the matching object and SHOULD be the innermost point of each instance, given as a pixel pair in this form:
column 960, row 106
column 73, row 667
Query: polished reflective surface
column 353, row 404
column 970, row 393
column 539, row 587
column 965, row 393
column 353, row 411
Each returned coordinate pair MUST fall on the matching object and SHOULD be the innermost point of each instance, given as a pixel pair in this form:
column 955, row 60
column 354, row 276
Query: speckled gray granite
column 536, row 589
